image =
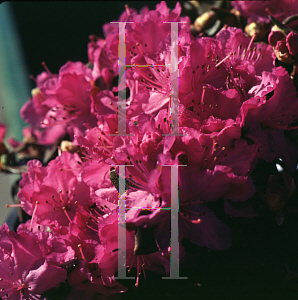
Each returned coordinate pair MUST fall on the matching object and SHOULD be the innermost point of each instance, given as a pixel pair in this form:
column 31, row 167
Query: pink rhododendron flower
column 234, row 108
column 258, row 10
column 24, row 272
column 285, row 46
column 266, row 119
column 56, row 196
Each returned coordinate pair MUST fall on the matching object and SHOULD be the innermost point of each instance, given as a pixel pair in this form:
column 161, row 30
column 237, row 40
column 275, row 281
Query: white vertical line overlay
column 121, row 76
column 174, row 103
column 122, row 225
column 174, row 263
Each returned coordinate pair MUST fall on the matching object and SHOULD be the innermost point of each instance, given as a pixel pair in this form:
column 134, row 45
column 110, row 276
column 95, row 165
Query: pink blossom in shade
column 210, row 185
column 13, row 143
column 284, row 46
column 216, row 138
column 24, row 273
column 140, row 150
column 217, row 162
column 206, row 230
column 259, row 10
column 197, row 223
column 292, row 43
column 265, row 120
column 101, row 103
column 108, row 234
column 274, row 37
column 88, row 284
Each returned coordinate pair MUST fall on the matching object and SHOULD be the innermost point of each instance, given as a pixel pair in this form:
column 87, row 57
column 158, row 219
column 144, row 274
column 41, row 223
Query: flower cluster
column 236, row 108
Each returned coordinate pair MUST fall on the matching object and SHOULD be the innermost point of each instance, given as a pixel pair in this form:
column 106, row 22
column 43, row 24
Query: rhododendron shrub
column 235, row 108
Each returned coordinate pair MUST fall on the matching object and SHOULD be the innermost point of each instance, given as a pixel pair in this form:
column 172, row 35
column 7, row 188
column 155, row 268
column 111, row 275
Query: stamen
column 196, row 221
column 228, row 56
column 127, row 9
column 146, row 260
column 233, row 81
column 202, row 101
column 106, row 139
column 13, row 205
column 215, row 67
column 74, row 169
column 251, row 40
column 59, row 122
column 32, row 77
column 46, row 68
column 67, row 215
column 87, row 224
column 82, row 253
column 138, row 274
column 33, row 215
column 85, row 212
column 133, row 260
column 105, row 147
column 61, row 199
column 138, row 45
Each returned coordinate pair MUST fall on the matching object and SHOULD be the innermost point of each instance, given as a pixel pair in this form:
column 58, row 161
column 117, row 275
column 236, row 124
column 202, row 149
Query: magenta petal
column 292, row 43
column 274, row 37
column 45, row 278
column 25, row 250
column 210, row 232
